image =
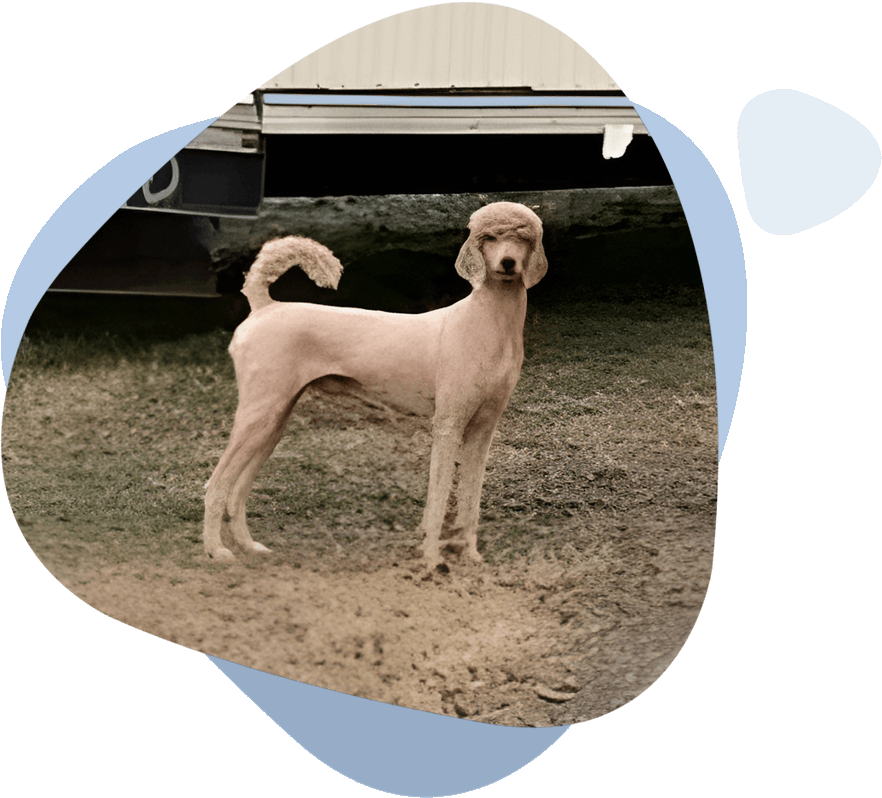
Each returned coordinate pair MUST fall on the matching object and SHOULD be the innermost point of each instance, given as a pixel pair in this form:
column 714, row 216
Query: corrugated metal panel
column 458, row 45
column 282, row 119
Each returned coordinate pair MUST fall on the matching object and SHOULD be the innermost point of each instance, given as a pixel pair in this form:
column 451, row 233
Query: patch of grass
column 577, row 351
column 51, row 350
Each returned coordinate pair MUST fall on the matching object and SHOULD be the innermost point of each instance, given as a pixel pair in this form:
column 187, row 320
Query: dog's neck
column 508, row 290
column 504, row 300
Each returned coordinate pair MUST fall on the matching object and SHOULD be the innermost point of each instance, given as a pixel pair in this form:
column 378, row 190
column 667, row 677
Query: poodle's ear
column 470, row 262
column 537, row 265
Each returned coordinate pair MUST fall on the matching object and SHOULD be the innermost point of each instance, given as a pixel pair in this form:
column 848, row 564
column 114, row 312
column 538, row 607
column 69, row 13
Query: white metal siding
column 461, row 45
column 282, row 119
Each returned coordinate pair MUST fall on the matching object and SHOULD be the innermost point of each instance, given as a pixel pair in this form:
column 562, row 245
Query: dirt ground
column 597, row 516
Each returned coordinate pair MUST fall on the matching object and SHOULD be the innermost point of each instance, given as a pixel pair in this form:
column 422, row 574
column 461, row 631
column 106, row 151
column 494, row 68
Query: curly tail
column 279, row 255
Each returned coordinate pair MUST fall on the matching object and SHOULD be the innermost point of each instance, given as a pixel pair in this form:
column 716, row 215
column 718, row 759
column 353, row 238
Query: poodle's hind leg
column 256, row 431
column 237, row 497
column 216, row 518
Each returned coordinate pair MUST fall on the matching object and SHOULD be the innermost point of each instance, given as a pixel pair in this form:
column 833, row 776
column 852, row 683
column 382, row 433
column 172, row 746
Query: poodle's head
column 504, row 244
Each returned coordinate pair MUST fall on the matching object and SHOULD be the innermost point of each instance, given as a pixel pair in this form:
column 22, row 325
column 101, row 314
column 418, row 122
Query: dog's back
column 392, row 355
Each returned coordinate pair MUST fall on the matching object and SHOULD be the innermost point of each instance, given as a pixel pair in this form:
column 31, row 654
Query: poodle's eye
column 489, row 238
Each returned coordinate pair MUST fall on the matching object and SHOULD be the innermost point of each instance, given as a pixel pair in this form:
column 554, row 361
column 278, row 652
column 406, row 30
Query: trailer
column 453, row 100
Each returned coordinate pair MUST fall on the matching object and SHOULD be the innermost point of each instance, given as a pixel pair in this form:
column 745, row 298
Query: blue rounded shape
column 394, row 749
column 803, row 161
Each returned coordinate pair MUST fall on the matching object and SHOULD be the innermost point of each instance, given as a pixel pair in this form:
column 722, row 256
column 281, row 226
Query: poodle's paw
column 221, row 554
column 432, row 560
column 473, row 554
column 258, row 548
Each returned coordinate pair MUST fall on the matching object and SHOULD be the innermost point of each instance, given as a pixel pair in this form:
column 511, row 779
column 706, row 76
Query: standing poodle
column 458, row 364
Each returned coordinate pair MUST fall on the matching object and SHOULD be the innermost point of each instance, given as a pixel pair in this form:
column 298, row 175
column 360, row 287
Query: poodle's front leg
column 445, row 444
column 473, row 462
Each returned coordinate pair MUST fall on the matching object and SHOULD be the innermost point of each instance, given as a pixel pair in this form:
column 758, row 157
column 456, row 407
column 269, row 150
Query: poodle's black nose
column 508, row 264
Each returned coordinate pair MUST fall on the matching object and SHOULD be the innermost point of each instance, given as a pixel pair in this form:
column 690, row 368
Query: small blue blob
column 803, row 161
